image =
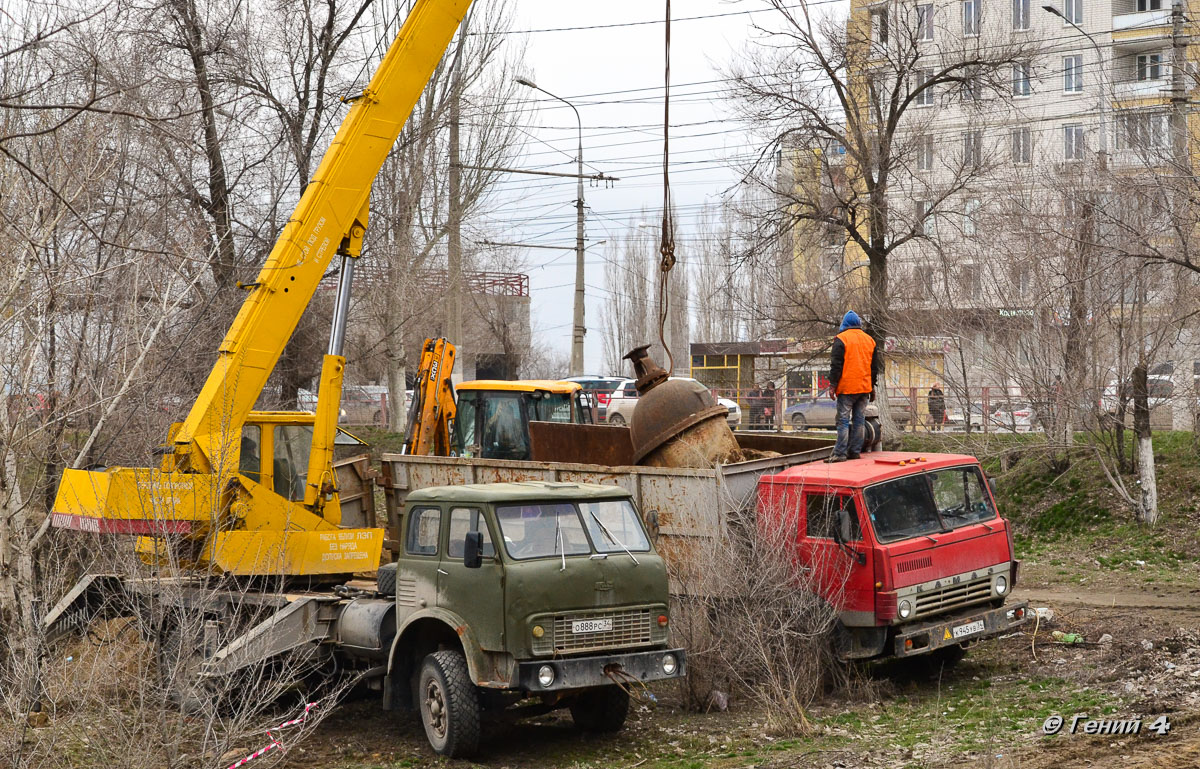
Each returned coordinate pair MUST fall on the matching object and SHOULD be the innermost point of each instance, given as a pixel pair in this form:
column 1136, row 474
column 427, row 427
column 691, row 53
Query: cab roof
column 521, row 385
column 523, row 491
column 870, row 468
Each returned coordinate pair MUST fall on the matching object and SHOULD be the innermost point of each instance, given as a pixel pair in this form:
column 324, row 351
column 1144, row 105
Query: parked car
column 1015, row 417
column 821, row 411
column 601, row 387
column 623, row 399
column 1160, row 390
column 361, row 404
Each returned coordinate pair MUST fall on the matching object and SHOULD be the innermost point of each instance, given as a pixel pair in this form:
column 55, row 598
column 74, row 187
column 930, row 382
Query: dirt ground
column 987, row 712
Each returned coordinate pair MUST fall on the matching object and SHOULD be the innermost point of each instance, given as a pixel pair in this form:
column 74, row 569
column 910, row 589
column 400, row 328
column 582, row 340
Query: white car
column 625, row 397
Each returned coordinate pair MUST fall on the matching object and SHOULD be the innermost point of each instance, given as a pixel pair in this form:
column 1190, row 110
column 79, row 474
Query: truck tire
column 601, row 710
column 385, row 578
column 179, row 660
column 449, row 704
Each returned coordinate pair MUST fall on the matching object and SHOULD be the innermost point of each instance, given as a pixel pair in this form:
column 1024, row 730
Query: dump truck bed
column 677, row 505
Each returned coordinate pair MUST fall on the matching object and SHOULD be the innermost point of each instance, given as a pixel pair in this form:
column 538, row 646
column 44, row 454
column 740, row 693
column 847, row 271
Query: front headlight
column 904, row 609
column 670, row 664
column 545, row 676
column 1001, row 585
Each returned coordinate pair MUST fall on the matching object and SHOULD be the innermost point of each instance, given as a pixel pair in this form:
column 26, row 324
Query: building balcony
column 1146, row 25
column 1124, row 90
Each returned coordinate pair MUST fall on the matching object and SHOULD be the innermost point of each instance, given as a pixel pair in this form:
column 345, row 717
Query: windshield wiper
column 612, row 538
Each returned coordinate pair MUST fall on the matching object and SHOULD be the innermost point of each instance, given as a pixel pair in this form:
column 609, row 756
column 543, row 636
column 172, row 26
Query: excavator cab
column 493, row 416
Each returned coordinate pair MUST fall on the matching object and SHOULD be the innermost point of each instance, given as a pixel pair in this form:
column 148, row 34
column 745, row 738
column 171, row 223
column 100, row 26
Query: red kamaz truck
column 909, row 548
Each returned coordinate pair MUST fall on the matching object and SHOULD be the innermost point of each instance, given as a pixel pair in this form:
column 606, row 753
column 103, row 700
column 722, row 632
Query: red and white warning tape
column 275, row 743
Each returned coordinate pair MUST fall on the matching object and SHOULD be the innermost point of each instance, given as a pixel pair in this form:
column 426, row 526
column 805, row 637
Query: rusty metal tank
column 677, row 422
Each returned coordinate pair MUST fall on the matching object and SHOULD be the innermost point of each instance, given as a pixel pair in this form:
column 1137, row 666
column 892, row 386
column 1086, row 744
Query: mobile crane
column 252, row 492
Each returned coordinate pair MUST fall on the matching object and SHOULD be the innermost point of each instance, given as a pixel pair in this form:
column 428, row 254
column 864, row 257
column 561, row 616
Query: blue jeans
column 848, row 438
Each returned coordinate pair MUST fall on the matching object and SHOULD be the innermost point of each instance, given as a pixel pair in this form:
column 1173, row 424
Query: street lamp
column 1099, row 89
column 579, row 328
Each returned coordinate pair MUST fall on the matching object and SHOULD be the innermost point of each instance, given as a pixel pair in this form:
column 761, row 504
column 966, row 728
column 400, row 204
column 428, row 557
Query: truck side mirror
column 843, row 526
column 473, row 550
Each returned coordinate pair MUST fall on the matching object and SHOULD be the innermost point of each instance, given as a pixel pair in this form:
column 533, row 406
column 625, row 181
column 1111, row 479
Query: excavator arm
column 433, row 408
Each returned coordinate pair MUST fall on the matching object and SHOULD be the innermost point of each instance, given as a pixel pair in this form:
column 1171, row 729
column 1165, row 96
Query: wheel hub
column 435, row 705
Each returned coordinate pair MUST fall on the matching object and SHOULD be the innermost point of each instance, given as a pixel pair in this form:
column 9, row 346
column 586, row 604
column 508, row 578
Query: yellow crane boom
column 205, row 489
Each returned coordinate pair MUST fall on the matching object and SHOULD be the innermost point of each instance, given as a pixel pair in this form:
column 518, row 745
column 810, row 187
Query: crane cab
column 494, row 415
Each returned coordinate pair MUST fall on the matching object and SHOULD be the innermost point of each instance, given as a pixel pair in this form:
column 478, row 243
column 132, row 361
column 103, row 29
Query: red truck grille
column 953, row 596
column 630, row 629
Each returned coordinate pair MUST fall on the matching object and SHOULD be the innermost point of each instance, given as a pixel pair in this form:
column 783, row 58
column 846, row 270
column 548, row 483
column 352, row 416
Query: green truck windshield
column 540, row 530
column 916, row 505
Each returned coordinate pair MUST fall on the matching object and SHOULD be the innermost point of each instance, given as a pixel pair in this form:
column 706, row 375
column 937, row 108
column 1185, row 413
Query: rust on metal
column 677, row 422
column 580, row 444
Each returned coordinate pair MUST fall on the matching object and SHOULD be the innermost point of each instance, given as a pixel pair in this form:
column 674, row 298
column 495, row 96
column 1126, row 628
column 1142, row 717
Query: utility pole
column 1179, row 95
column 579, row 329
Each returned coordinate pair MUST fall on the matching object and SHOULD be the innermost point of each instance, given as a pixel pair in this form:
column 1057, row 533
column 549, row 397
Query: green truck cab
column 507, row 592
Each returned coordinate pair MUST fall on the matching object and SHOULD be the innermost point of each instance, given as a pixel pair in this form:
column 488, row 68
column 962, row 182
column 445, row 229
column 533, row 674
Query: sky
column 614, row 76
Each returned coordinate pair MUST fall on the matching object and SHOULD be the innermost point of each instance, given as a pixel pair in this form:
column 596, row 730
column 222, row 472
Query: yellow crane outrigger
column 229, row 510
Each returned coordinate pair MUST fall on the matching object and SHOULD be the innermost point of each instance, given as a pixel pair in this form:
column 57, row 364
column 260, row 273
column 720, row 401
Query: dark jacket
column 838, row 361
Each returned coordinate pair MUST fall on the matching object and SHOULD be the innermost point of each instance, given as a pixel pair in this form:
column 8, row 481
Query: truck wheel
column 601, row 710
column 449, row 704
column 385, row 579
column 616, row 419
column 179, row 662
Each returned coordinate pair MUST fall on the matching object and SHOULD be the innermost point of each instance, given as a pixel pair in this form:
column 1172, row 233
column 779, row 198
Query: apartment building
column 1028, row 138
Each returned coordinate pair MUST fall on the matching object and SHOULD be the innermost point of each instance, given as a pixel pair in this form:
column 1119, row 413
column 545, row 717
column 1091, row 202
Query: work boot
column 853, row 455
column 835, row 458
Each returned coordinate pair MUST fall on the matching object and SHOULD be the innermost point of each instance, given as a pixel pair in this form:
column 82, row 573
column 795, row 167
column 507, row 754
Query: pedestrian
column 768, row 394
column 855, row 365
column 937, row 407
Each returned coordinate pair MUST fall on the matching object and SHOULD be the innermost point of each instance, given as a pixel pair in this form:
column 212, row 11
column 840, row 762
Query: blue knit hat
column 850, row 320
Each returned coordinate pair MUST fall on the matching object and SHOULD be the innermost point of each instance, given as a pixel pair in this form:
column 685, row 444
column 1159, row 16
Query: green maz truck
column 539, row 594
column 511, row 591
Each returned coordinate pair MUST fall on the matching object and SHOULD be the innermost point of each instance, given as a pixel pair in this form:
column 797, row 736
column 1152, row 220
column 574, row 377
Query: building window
column 971, row 10
column 1073, row 143
column 921, row 85
column 1073, row 74
column 1073, row 11
column 879, row 26
column 1022, row 146
column 1020, row 15
column 1149, row 66
column 971, row 217
column 925, row 153
column 1020, row 79
column 925, row 22
column 1021, row 280
column 1142, row 130
column 923, row 281
column 1149, row 5
column 971, row 283
column 971, row 86
column 925, row 220
column 972, row 148
column 881, row 95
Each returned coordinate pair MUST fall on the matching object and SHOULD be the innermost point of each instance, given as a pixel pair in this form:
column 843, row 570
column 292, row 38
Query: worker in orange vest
column 855, row 366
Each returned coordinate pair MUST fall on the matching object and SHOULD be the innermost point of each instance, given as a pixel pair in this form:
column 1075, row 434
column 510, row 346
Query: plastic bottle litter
column 1067, row 638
